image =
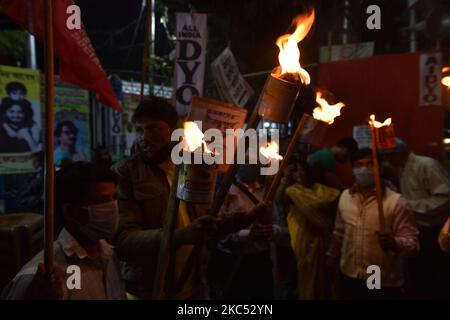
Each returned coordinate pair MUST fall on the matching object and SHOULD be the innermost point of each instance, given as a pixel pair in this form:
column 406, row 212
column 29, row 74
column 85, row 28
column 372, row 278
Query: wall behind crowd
column 388, row 86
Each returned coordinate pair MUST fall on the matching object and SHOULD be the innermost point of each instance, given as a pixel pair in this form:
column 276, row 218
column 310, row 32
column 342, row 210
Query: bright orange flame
column 270, row 151
column 446, row 81
column 326, row 112
column 378, row 124
column 289, row 55
column 193, row 137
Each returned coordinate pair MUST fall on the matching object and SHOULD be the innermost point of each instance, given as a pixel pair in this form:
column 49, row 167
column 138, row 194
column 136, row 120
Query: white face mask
column 364, row 176
column 103, row 221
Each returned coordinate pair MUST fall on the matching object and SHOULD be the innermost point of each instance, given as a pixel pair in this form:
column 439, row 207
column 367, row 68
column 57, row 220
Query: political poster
column 190, row 59
column 230, row 83
column 20, row 119
column 430, row 88
column 218, row 115
column 72, row 126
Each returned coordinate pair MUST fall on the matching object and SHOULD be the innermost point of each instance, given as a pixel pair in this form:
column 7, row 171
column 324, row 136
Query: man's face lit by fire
column 154, row 132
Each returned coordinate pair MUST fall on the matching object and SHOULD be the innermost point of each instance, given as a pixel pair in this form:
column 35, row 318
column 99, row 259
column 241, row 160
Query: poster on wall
column 20, row 119
column 72, row 132
column 430, row 88
column 190, row 59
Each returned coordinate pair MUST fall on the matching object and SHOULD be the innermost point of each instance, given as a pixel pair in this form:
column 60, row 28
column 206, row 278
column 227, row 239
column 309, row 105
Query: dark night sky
column 250, row 27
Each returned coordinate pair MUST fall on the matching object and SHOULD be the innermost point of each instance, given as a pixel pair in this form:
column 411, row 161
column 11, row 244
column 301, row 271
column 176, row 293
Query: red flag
column 78, row 62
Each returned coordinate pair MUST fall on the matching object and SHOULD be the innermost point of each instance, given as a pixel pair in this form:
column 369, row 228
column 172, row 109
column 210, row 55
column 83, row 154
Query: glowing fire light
column 378, row 124
column 270, row 151
column 193, row 137
column 446, row 79
column 289, row 56
column 326, row 112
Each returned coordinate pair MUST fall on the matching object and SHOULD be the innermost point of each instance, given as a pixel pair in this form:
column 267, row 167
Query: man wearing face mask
column 357, row 243
column 143, row 193
column 425, row 184
column 85, row 197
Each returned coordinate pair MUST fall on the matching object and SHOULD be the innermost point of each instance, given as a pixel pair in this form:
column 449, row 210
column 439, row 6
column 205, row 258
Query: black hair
column 66, row 123
column 157, row 108
column 348, row 143
column 15, row 86
column 363, row 153
column 27, row 110
column 73, row 180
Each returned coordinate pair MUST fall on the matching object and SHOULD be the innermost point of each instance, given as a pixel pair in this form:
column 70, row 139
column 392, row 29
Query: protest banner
column 231, row 85
column 190, row 59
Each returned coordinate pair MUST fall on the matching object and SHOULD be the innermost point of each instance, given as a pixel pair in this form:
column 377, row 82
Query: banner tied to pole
column 385, row 136
column 230, row 83
column 190, row 59
column 219, row 115
column 78, row 62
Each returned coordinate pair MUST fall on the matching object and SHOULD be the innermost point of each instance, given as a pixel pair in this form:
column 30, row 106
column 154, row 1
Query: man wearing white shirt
column 426, row 186
column 86, row 199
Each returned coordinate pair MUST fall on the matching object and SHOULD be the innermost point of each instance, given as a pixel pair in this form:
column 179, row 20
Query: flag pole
column 49, row 128
column 147, row 44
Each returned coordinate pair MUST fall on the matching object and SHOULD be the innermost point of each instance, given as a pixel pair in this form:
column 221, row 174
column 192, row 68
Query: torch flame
column 271, row 151
column 289, row 55
column 193, row 137
column 378, row 124
column 326, row 112
column 446, row 79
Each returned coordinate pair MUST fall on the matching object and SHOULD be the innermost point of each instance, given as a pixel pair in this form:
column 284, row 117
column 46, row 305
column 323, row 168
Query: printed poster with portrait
column 20, row 119
column 72, row 132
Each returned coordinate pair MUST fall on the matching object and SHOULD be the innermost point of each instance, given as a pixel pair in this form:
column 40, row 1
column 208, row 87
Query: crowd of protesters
column 318, row 239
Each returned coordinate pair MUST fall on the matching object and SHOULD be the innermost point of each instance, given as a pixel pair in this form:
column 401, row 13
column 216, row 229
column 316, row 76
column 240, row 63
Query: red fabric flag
column 78, row 62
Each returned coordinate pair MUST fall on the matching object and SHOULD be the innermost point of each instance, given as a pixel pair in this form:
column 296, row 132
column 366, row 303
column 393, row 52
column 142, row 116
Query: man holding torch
column 143, row 194
column 358, row 242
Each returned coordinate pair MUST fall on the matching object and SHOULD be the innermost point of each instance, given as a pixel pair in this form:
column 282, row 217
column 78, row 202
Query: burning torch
column 196, row 182
column 191, row 182
column 382, row 138
column 280, row 91
column 311, row 129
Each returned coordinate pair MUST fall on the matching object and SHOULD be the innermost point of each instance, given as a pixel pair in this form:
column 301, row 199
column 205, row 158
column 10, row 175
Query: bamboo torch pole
column 376, row 173
column 166, row 248
column 49, row 128
column 268, row 197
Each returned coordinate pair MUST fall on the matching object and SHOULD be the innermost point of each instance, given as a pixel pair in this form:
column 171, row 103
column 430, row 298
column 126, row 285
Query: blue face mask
column 364, row 177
